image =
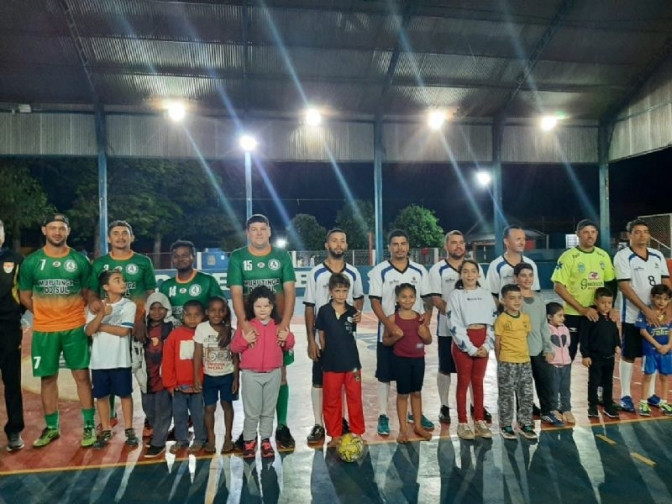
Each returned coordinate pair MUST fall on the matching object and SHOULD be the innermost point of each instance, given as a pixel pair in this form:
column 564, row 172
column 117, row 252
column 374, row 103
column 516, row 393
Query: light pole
column 248, row 144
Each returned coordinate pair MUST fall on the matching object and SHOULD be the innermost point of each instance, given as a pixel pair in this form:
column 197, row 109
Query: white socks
column 652, row 385
column 316, row 397
column 625, row 371
column 443, row 384
column 383, row 397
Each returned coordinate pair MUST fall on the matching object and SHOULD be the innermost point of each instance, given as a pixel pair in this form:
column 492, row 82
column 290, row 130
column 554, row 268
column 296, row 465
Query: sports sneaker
column 154, row 451
column 444, row 415
column 528, row 432
column 654, row 401
column 568, row 417
column 345, row 427
column 611, row 412
column 644, row 409
column 508, row 432
column 88, row 437
column 482, row 430
column 383, row 425
column 47, row 436
column 424, row 421
column 665, row 408
column 592, row 412
column 266, row 449
column 627, row 404
column 14, row 442
column 103, row 440
column 131, row 438
column 551, row 419
column 250, row 449
column 284, row 438
column 316, row 434
column 464, row 431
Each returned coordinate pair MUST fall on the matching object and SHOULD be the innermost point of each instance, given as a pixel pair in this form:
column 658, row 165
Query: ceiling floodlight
column 436, row 119
column 281, row 243
column 483, row 178
column 176, row 111
column 247, row 143
column 313, row 117
column 549, row 122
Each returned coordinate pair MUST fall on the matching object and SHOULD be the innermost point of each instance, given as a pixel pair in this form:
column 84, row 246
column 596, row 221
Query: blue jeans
column 157, row 406
column 562, row 380
column 183, row 405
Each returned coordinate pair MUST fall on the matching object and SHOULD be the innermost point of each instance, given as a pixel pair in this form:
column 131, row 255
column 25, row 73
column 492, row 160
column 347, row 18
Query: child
column 600, row 341
column 111, row 356
column 538, row 342
column 472, row 312
column 562, row 363
column 514, row 372
column 261, row 356
column 178, row 379
column 213, row 354
column 409, row 359
column 340, row 360
column 156, row 401
column 656, row 348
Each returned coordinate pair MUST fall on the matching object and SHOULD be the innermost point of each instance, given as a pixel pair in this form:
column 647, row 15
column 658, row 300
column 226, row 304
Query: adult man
column 316, row 296
column 638, row 268
column 500, row 271
column 53, row 285
column 10, row 342
column 188, row 283
column 579, row 273
column 442, row 278
column 138, row 273
column 260, row 264
column 383, row 279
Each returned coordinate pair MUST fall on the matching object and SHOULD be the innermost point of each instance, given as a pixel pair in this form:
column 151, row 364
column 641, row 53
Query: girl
column 562, row 362
column 472, row 314
column 213, row 353
column 409, row 359
column 261, row 355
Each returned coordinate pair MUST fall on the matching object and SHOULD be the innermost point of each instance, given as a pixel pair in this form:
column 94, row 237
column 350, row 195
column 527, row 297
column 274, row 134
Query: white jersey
column 384, row 278
column 107, row 350
column 642, row 273
column 469, row 307
column 442, row 278
column 500, row 273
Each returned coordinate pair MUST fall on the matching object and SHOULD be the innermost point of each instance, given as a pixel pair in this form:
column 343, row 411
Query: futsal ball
column 351, row 448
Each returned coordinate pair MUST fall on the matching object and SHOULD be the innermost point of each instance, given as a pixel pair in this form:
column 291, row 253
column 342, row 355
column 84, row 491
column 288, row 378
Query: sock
column 625, row 370
column 88, row 415
column 282, row 405
column 316, row 397
column 443, row 384
column 52, row 420
column 113, row 413
column 652, row 385
column 383, row 397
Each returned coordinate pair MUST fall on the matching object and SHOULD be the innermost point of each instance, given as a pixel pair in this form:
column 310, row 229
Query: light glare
column 436, row 119
column 176, row 111
column 549, row 122
column 281, row 243
column 313, row 117
column 483, row 178
column 247, row 143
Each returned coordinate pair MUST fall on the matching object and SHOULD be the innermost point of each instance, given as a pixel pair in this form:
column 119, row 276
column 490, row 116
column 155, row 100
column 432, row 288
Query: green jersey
column 57, row 283
column 200, row 286
column 249, row 271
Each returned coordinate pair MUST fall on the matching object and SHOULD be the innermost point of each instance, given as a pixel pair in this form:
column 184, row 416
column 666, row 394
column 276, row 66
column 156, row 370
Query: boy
column 178, row 379
column 340, row 361
column 514, row 371
column 600, row 341
column 111, row 356
column 656, row 349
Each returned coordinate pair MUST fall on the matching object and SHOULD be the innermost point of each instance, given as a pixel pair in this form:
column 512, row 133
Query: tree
column 421, row 225
column 23, row 202
column 357, row 219
column 305, row 233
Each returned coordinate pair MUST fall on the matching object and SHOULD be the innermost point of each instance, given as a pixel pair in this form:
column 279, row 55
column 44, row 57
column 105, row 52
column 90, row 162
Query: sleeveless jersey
column 200, row 287
column 411, row 345
column 56, row 284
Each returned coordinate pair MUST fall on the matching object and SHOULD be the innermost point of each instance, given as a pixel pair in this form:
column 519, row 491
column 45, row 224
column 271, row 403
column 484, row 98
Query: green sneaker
column 89, row 437
column 644, row 409
column 47, row 436
column 665, row 408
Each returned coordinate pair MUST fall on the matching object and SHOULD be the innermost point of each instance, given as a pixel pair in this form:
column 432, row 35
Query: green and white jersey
column 200, row 286
column 249, row 271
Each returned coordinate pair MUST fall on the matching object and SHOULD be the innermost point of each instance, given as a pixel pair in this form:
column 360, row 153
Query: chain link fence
column 660, row 227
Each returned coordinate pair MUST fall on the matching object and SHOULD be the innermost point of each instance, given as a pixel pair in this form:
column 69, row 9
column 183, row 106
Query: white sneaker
column 464, row 431
column 482, row 430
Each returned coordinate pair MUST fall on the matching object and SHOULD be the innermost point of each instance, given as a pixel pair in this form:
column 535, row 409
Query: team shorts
column 318, row 373
column 410, row 373
column 631, row 342
column 654, row 361
column 218, row 389
column 446, row 363
column 117, row 381
column 46, row 349
column 384, row 363
column 287, row 357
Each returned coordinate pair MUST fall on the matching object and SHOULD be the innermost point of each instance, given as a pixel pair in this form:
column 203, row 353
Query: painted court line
column 605, row 439
column 642, row 458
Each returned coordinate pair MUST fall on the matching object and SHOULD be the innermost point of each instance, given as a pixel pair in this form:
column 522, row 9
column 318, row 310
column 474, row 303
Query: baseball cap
column 586, row 222
column 57, row 217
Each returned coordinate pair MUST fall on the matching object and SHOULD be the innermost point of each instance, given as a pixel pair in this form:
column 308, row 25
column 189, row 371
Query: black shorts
column 117, row 381
column 410, row 373
column 318, row 376
column 384, row 363
column 446, row 363
column 631, row 342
